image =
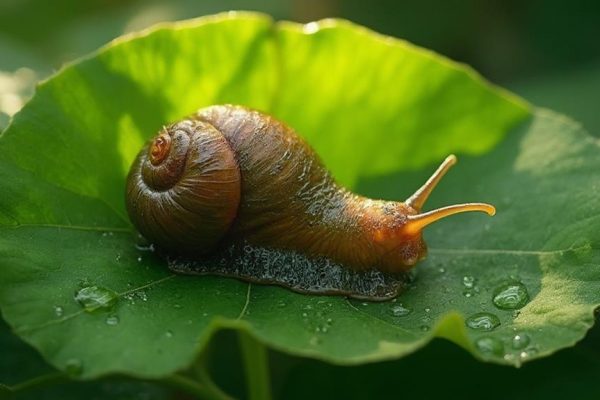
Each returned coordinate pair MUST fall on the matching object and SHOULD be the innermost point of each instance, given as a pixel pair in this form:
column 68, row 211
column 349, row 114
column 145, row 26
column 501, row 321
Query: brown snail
column 232, row 191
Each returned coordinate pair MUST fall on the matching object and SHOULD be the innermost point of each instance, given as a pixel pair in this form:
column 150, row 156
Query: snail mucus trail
column 232, row 191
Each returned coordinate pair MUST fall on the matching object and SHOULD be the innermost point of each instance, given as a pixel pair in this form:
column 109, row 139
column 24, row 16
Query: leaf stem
column 40, row 381
column 256, row 366
column 203, row 390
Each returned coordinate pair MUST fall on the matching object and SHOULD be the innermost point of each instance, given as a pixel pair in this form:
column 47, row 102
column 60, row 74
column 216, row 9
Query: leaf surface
column 380, row 112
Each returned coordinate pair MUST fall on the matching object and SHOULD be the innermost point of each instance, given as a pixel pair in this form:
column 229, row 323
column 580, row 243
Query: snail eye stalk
column 417, row 222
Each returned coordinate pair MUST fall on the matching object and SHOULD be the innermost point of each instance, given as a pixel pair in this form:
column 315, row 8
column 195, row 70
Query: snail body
column 230, row 176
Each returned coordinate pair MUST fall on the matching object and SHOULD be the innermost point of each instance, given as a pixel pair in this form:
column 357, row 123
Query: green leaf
column 353, row 94
column 573, row 92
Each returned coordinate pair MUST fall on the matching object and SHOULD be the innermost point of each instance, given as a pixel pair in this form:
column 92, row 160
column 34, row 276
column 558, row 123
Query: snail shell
column 229, row 177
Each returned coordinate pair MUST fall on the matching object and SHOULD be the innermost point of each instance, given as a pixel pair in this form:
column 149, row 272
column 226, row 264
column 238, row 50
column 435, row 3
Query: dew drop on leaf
column 147, row 247
column 482, row 321
column 520, row 341
column 94, row 298
column 529, row 352
column 424, row 328
column 490, row 345
column 112, row 320
column 58, row 311
column 399, row 310
column 510, row 296
column 140, row 294
column 468, row 281
column 169, row 334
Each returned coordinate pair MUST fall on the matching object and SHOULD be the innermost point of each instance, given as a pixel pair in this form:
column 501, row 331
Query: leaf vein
column 246, row 303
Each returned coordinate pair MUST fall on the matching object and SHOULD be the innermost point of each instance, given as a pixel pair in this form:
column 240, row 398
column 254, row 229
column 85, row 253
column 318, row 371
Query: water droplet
column 169, row 334
column 482, row 321
column 304, row 314
column 74, row 367
column 145, row 246
column 468, row 293
column 139, row 259
column 442, row 270
column 281, row 304
column 364, row 304
column 140, row 294
column 520, row 341
column 315, row 340
column 468, row 281
column 59, row 311
column 510, row 296
column 177, row 306
column 118, row 258
column 400, row 311
column 322, row 329
column 490, row 345
column 529, row 352
column 94, row 298
column 112, row 320
column 427, row 309
column 424, row 328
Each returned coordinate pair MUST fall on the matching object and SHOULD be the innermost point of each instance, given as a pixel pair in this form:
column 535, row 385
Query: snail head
column 402, row 237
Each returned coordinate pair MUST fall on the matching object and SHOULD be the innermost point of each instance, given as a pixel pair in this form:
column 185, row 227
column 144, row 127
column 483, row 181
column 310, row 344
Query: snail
column 232, row 191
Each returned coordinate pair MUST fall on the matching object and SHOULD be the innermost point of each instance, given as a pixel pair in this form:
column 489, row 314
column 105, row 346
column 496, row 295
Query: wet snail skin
column 233, row 191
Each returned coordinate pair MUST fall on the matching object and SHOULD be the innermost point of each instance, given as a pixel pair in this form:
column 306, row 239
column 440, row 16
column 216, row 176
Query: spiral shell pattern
column 184, row 188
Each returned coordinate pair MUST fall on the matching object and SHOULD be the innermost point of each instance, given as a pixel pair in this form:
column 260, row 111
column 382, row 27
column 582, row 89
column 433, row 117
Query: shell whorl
column 183, row 191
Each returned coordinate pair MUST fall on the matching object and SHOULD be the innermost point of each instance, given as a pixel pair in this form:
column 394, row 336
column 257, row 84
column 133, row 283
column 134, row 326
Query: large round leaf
column 371, row 106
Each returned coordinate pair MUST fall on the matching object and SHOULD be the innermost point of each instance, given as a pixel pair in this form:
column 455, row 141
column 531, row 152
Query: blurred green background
column 547, row 51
